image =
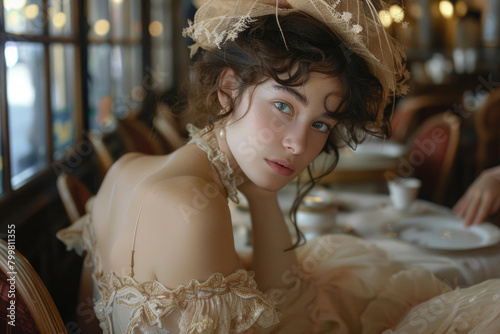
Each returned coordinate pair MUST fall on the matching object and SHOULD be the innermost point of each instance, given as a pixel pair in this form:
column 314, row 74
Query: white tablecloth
column 367, row 214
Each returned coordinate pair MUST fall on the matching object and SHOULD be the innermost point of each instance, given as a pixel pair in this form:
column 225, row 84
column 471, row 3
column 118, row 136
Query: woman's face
column 276, row 131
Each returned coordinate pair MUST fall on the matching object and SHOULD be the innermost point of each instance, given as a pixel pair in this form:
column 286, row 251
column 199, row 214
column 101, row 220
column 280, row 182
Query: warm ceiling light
column 461, row 8
column 155, row 28
column 31, row 11
column 385, row 18
column 446, row 8
column 118, row 2
column 59, row 20
column 397, row 13
column 101, row 27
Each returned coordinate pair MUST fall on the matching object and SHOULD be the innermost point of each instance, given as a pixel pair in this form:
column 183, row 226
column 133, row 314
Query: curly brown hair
column 296, row 47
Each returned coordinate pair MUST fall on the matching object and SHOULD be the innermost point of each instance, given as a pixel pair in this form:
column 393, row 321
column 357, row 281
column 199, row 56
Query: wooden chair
column 412, row 111
column 74, row 194
column 138, row 137
column 432, row 153
column 168, row 131
column 35, row 308
column 104, row 157
column 487, row 123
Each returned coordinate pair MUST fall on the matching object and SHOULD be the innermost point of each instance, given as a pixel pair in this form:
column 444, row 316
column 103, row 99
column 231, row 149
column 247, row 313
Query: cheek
column 317, row 147
column 257, row 126
column 319, row 141
column 258, row 118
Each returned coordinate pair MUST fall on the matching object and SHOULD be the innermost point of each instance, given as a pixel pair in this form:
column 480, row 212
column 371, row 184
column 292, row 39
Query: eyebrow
column 302, row 98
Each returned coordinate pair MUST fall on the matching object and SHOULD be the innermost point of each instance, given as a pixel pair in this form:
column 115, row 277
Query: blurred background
column 82, row 82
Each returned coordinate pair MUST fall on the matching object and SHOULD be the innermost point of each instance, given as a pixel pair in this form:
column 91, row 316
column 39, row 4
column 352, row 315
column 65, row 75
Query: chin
column 269, row 183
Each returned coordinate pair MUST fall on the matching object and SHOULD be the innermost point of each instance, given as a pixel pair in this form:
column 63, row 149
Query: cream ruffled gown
column 342, row 285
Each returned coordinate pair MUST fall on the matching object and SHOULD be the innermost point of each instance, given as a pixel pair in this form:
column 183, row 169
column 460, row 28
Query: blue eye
column 323, row 127
column 283, row 107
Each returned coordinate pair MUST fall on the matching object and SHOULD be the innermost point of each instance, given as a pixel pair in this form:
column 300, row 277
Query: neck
column 224, row 148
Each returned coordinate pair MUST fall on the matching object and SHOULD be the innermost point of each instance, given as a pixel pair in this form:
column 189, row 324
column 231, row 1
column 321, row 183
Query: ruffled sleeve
column 230, row 304
column 80, row 237
column 220, row 305
column 72, row 236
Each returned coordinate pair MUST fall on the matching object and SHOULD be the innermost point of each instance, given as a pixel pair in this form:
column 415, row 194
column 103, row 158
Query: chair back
column 35, row 311
column 412, row 111
column 487, row 123
column 432, row 153
column 74, row 194
column 168, row 132
column 104, row 157
column 138, row 137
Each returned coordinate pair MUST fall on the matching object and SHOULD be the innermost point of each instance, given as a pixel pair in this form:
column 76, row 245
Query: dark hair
column 303, row 45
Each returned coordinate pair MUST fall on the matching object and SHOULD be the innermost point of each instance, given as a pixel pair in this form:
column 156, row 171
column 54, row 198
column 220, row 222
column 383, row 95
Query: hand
column 481, row 199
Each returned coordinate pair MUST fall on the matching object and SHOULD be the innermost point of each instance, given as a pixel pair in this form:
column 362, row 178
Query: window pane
column 23, row 16
column 60, row 18
column 135, row 29
column 100, row 118
column 134, row 72
column 26, row 103
column 62, row 78
column 98, row 19
column 160, row 29
column 127, row 80
column 126, row 19
column 119, row 21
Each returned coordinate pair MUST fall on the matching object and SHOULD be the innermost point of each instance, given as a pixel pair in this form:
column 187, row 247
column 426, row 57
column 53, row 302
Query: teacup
column 317, row 215
column 403, row 192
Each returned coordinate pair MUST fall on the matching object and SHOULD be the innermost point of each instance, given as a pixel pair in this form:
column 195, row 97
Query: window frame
column 18, row 204
column 12, row 199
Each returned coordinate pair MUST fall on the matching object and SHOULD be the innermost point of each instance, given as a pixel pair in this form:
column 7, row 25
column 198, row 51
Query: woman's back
column 152, row 200
column 159, row 237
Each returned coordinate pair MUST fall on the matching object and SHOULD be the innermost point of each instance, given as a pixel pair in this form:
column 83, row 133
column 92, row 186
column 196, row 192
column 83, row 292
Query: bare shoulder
column 118, row 166
column 190, row 227
column 189, row 200
column 122, row 161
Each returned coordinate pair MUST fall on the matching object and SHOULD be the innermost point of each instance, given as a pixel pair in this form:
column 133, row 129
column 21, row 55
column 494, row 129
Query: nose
column 295, row 140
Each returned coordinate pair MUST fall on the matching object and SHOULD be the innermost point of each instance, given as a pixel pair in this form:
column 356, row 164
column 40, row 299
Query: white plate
column 437, row 232
column 371, row 155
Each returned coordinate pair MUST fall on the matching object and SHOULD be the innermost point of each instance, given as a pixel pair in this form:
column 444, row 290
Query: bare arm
column 189, row 230
column 197, row 242
column 270, row 239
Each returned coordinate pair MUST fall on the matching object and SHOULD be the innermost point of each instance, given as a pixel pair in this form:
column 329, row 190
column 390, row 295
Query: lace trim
column 218, row 159
column 220, row 302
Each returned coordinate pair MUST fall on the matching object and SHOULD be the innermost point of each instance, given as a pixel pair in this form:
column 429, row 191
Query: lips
column 281, row 167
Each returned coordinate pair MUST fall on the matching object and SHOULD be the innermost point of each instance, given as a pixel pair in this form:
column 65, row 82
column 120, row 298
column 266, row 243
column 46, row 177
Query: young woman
column 275, row 86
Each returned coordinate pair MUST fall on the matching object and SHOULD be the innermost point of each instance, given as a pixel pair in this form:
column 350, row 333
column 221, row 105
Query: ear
column 228, row 86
